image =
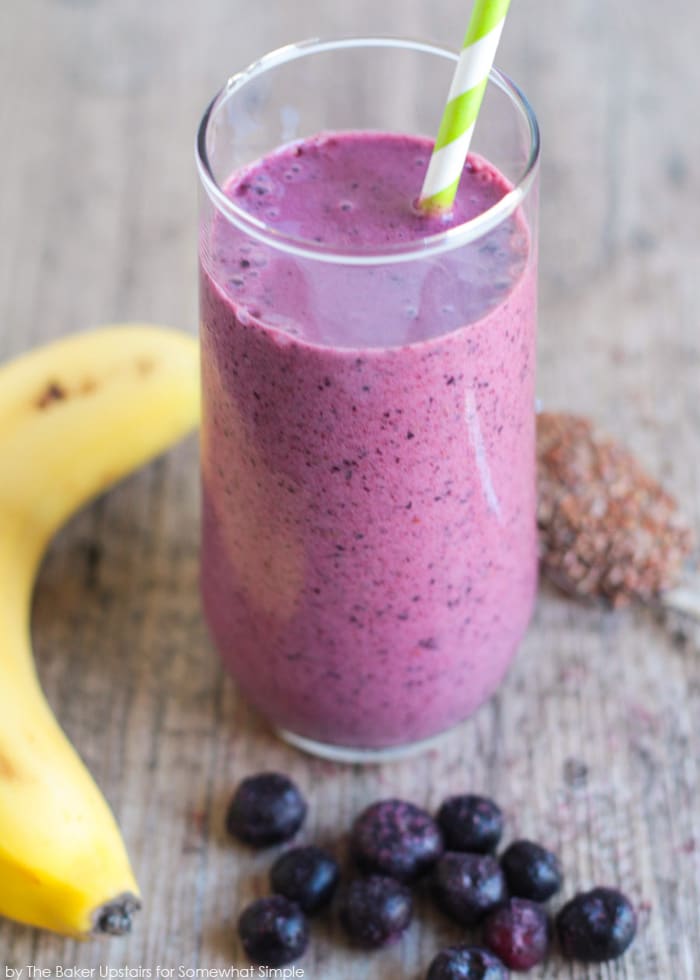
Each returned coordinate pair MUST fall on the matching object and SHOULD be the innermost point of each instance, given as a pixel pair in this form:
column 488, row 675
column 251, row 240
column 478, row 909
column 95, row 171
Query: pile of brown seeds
column 607, row 529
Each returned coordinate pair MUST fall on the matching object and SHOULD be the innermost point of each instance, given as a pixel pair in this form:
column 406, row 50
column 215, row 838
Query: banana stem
column 116, row 917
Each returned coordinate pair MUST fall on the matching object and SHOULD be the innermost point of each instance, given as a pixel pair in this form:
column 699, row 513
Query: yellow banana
column 75, row 416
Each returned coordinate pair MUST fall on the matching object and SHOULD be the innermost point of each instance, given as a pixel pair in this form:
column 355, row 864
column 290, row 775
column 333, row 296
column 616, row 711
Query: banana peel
column 76, row 416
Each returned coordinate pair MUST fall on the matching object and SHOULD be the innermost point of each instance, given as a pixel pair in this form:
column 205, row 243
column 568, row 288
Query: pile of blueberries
column 393, row 844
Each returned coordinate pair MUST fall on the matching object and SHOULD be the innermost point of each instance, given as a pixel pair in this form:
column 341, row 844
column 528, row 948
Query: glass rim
column 454, row 237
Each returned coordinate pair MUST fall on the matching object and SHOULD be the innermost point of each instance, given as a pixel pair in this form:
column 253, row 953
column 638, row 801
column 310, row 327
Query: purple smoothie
column 369, row 551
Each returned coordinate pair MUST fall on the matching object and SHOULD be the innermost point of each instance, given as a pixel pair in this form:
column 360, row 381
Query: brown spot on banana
column 7, row 770
column 53, row 392
column 145, row 365
column 57, row 392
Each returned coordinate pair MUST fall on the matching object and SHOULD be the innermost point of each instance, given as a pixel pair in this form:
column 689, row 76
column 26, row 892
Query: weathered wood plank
column 593, row 743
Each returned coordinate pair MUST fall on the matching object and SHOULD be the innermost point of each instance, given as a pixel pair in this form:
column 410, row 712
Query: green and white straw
column 463, row 104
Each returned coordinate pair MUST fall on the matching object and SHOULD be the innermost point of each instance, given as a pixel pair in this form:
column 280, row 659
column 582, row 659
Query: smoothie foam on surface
column 368, row 445
column 353, row 194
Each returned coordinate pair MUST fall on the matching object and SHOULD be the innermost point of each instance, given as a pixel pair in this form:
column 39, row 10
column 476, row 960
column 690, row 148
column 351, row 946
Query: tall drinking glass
column 368, row 461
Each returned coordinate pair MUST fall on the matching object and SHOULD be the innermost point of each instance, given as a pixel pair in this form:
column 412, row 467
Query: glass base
column 339, row 753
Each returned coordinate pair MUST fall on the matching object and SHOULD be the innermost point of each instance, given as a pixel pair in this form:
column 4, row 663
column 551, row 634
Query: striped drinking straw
column 463, row 104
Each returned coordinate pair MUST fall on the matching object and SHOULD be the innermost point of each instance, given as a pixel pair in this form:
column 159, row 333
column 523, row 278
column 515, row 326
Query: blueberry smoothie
column 369, row 549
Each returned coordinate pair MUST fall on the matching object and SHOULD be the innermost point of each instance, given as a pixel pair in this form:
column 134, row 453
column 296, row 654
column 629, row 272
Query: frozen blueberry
column 265, row 809
column 470, row 823
column 466, row 963
column 468, row 886
column 307, row 876
column 531, row 871
column 274, row 931
column 395, row 838
column 518, row 933
column 375, row 911
column 596, row 926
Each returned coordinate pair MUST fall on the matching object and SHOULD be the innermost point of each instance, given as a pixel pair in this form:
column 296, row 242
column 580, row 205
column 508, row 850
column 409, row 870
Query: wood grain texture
column 593, row 743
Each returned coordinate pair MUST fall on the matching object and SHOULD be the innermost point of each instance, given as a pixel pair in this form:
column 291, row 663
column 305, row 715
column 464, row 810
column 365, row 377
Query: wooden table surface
column 593, row 743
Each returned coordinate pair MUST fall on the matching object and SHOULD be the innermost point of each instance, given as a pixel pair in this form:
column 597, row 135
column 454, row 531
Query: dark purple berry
column 307, row 876
column 470, row 823
column 518, row 933
column 265, row 809
column 466, row 963
column 375, row 911
column 395, row 838
column 468, row 886
column 531, row 871
column 274, row 931
column 596, row 926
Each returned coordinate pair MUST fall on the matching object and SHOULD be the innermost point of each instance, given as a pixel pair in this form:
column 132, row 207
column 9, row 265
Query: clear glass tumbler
column 368, row 460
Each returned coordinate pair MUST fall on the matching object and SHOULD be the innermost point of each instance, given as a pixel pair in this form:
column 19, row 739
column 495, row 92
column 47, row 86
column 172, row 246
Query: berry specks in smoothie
column 296, row 468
